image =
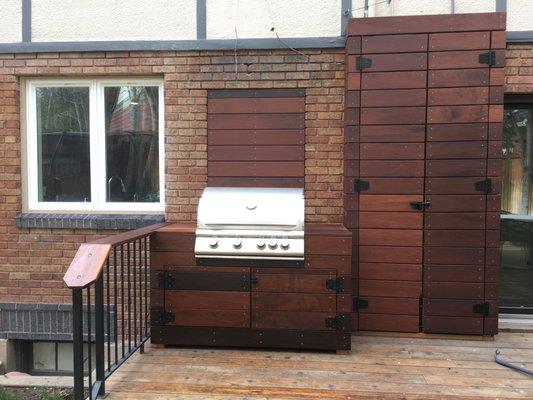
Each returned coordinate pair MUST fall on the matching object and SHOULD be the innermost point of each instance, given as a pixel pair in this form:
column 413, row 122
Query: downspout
column 452, row 6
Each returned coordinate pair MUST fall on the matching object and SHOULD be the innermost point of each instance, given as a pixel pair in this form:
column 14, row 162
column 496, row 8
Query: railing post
column 99, row 334
column 77, row 338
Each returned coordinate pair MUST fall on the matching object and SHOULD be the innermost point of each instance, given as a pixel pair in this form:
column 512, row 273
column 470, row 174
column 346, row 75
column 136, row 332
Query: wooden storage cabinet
column 305, row 306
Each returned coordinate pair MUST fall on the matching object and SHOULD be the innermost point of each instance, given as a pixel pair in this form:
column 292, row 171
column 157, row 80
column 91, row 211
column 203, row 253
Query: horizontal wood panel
column 398, row 288
column 341, row 264
column 218, row 281
column 217, row 137
column 256, row 121
column 256, row 153
column 392, row 133
column 391, row 305
column 454, row 255
column 179, row 300
column 459, row 41
column 455, row 220
column 377, row 254
column 457, row 114
column 290, row 320
column 256, row 105
column 456, row 203
column 292, row 283
column 393, row 115
column 328, row 245
column 394, row 43
column 458, row 77
column 282, row 169
column 395, row 186
column 453, row 290
column 391, row 220
column 453, row 185
column 392, row 151
column 455, row 59
column 454, row 150
column 454, row 273
column 390, row 237
column 215, row 318
column 457, row 132
column 309, row 302
column 390, row 271
column 393, row 98
column 454, row 238
column 256, row 181
column 392, row 62
column 387, row 203
column 403, row 168
column 393, row 80
column 170, row 241
column 458, row 96
column 388, row 322
column 453, row 325
column 443, row 168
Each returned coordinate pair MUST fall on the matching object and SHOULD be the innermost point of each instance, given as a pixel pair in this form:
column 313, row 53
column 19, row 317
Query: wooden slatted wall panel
column 423, row 122
column 256, row 137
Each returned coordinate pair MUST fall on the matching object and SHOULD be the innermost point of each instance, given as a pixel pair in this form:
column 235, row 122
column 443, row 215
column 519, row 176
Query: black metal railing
column 110, row 282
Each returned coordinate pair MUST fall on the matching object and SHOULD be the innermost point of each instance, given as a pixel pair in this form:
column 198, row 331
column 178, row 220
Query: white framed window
column 95, row 145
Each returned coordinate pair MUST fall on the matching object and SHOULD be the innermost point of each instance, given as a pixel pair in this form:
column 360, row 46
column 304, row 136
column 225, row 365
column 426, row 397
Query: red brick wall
column 519, row 70
column 32, row 262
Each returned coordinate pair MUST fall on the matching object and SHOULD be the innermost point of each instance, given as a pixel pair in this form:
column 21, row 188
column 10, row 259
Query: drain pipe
column 452, row 6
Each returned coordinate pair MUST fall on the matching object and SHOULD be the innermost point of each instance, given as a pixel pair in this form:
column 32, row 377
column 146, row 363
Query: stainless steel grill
column 253, row 223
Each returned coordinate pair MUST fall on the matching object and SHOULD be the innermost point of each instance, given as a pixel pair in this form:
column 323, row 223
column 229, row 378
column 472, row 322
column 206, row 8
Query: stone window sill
column 87, row 221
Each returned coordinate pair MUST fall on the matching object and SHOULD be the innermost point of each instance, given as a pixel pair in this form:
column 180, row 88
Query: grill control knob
column 272, row 245
column 261, row 245
column 213, row 243
column 284, row 245
column 237, row 244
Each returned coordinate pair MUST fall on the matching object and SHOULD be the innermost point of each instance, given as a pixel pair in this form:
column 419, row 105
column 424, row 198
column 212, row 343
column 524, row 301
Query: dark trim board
column 244, row 337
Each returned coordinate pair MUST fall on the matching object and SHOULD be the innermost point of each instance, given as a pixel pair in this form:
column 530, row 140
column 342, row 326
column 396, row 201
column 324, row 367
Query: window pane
column 132, row 155
column 63, row 144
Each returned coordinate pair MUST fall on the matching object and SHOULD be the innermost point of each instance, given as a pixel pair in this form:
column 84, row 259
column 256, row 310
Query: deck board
column 378, row 368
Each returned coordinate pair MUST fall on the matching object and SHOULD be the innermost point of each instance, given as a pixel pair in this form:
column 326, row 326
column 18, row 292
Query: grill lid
column 227, row 208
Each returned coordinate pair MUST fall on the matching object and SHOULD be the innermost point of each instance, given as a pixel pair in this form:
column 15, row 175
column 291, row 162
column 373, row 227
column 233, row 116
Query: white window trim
column 98, row 201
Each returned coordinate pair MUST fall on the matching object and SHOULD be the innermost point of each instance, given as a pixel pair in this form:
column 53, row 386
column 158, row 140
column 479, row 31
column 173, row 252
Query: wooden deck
column 377, row 368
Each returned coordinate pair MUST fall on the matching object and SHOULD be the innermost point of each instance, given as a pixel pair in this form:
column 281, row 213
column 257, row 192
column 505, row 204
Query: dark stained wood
column 453, row 255
column 454, row 273
column 172, row 241
column 458, row 77
column 300, row 302
column 248, row 137
column 256, row 121
column 353, row 98
column 395, row 186
column 328, row 245
column 393, row 98
column 403, row 168
column 392, row 151
column 456, row 203
column 171, row 258
column 392, row 62
column 388, row 322
column 394, row 43
column 391, row 305
column 453, row 290
column 459, row 41
column 390, row 237
column 218, row 281
column 341, row 264
column 378, row 288
column 455, row 220
column 455, row 59
column 290, row 320
column 451, row 150
column 214, row 318
column 390, row 220
column 443, row 168
column 392, row 133
column 179, row 300
column 322, row 229
column 388, row 203
column 353, row 45
column 292, row 283
column 390, row 271
column 458, row 96
column 457, row 325
column 393, row 115
column 393, row 80
column 256, row 181
column 457, row 114
column 453, row 185
column 280, row 169
column 454, row 238
column 256, row 153
column 256, row 105
column 409, row 255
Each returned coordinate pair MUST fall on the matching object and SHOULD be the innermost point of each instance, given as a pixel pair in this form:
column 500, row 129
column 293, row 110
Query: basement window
column 95, row 145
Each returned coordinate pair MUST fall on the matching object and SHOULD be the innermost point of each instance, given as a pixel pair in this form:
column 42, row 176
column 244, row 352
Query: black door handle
column 420, row 205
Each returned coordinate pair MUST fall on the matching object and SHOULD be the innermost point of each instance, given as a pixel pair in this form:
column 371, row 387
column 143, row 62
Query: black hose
column 507, row 364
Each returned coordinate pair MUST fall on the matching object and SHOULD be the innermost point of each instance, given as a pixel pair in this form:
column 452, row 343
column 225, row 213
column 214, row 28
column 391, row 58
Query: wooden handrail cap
column 86, row 265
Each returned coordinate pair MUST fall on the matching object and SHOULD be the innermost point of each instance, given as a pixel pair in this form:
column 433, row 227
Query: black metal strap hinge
column 488, row 58
column 338, row 322
column 360, row 304
column 363, row 62
column 360, row 185
column 484, row 186
column 420, row 205
column 165, row 280
column 482, row 308
column 160, row 317
column 336, row 284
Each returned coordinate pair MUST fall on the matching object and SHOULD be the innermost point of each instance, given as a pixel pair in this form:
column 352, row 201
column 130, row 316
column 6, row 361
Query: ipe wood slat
column 170, row 241
column 255, row 137
column 255, row 182
column 256, row 169
column 453, row 325
column 215, row 318
column 391, row 305
column 397, row 254
column 458, row 96
column 454, row 255
column 403, row 168
column 392, row 151
column 388, row 322
column 256, row 121
column 402, row 289
column 454, row 238
column 457, row 114
column 454, row 273
column 455, row 220
column 290, row 320
column 453, row 290
column 256, row 153
column 392, row 133
column 256, row 105
column 443, row 168
column 390, row 220
column 393, row 115
column 454, row 185
column 457, row 132
column 301, row 302
column 390, row 237
column 342, row 264
column 388, row 203
column 394, row 186
column 292, row 283
column 390, row 271
column 451, row 150
column 174, row 258
column 217, row 281
column 459, row 41
column 391, row 62
column 328, row 245
column 177, row 300
column 456, row 203
column 458, row 77
column 393, row 98
column 455, row 59
column 393, row 80
column 394, row 43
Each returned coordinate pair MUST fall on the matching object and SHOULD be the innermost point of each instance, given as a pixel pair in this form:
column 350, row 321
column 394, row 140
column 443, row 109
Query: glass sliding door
column 516, row 272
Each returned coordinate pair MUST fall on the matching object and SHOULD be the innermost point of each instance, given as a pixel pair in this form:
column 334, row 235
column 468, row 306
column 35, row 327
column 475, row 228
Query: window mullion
column 95, row 147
